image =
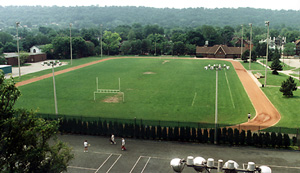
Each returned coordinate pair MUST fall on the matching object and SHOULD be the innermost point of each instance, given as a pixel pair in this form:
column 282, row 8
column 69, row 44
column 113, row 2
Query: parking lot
column 154, row 156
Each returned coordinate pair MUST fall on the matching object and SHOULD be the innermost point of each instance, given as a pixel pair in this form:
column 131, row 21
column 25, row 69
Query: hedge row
column 227, row 136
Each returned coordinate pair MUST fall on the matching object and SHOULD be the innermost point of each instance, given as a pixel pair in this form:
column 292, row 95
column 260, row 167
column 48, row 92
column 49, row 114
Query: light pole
column 267, row 24
column 101, row 39
column 17, row 25
column 53, row 63
column 250, row 24
column 202, row 165
column 71, row 43
column 216, row 68
column 242, row 41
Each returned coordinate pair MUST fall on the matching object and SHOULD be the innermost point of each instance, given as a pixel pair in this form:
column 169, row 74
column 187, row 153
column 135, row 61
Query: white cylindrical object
column 231, row 164
column 251, row 166
column 210, row 162
column 265, row 169
column 190, row 160
column 220, row 165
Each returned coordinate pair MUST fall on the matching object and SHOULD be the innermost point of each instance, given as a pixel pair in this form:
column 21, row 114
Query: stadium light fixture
column 71, row 54
column 250, row 24
column 267, row 23
column 216, row 67
column 200, row 165
column 52, row 64
column 17, row 26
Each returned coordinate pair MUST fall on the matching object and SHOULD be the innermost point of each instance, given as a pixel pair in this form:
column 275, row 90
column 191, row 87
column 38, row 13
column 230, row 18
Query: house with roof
column 219, row 51
column 36, row 49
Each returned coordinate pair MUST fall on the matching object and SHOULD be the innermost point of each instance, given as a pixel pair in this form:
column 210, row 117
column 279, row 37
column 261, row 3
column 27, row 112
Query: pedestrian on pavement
column 112, row 139
column 123, row 144
column 249, row 117
column 85, row 144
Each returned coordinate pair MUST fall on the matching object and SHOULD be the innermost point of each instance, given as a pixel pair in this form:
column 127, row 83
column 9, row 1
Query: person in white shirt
column 112, row 139
column 123, row 144
column 85, row 144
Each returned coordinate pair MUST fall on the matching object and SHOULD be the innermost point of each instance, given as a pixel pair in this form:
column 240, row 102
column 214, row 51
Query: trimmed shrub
column 273, row 139
column 286, row 140
column 205, row 136
column 104, row 128
column 142, row 133
column 236, row 137
column 126, row 130
column 182, row 134
column 199, row 135
column 131, row 130
column 294, row 140
column 267, row 139
column 230, row 136
column 99, row 127
column 137, row 131
column 193, row 137
column 211, row 135
column 147, row 128
column 279, row 140
column 116, row 128
column 255, row 139
column 219, row 135
column 187, row 134
column 153, row 134
column 164, row 134
column 176, row 134
column 249, row 138
column 260, row 139
column 243, row 137
column 158, row 132
column 121, row 130
column 171, row 133
column 224, row 136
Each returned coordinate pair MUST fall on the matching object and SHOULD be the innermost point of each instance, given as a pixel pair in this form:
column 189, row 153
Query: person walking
column 112, row 139
column 85, row 144
column 123, row 144
column 249, row 117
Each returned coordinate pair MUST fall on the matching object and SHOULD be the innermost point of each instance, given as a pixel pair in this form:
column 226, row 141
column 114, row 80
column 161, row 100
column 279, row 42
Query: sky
column 264, row 4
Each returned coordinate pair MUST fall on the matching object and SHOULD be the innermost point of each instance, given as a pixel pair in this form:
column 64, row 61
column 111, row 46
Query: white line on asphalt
column 146, row 165
column 113, row 163
column 76, row 167
column 103, row 163
column 135, row 164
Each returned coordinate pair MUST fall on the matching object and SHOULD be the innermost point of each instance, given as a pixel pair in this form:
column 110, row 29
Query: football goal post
column 105, row 91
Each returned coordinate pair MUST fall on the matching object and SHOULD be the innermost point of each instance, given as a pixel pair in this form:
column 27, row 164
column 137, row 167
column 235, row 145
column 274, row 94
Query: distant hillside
column 93, row 16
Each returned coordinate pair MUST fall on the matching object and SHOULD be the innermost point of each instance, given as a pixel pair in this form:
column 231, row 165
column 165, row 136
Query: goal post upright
column 102, row 91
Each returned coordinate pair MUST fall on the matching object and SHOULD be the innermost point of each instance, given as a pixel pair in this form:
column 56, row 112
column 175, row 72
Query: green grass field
column 177, row 90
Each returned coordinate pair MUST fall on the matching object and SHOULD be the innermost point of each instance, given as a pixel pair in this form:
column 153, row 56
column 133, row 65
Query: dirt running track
column 266, row 114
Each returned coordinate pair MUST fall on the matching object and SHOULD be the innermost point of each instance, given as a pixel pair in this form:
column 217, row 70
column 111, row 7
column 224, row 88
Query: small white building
column 36, row 49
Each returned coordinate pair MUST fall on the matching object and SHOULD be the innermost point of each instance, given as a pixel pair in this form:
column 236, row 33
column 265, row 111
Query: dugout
column 6, row 69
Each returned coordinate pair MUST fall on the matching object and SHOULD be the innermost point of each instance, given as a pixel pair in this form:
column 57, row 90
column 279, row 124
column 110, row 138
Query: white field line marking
column 229, row 90
column 103, row 163
column 146, row 165
column 287, row 167
column 135, row 164
column 194, row 98
column 76, row 167
column 113, row 164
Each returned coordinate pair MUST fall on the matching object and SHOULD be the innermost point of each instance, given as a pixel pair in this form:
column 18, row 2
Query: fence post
column 134, row 127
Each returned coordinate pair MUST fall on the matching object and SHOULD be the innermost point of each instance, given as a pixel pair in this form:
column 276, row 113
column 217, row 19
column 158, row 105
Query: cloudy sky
column 266, row 4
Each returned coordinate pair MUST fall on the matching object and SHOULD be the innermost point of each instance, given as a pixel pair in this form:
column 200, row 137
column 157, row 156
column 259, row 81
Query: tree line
column 93, row 16
column 135, row 39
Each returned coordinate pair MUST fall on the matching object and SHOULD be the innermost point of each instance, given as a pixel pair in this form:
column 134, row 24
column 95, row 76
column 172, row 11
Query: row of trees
column 185, row 134
column 134, row 39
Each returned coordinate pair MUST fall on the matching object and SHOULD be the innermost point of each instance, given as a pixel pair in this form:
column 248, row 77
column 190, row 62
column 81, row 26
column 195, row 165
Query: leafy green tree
column 24, row 139
column 5, row 38
column 111, row 42
column 48, row 49
column 289, row 49
column 125, row 48
column 288, row 86
column 10, row 47
column 276, row 66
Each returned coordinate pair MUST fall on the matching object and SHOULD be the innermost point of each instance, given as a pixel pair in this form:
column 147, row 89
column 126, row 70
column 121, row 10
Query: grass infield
column 155, row 89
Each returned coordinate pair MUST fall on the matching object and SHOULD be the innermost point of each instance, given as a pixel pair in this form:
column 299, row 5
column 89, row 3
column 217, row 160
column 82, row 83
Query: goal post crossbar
column 103, row 91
